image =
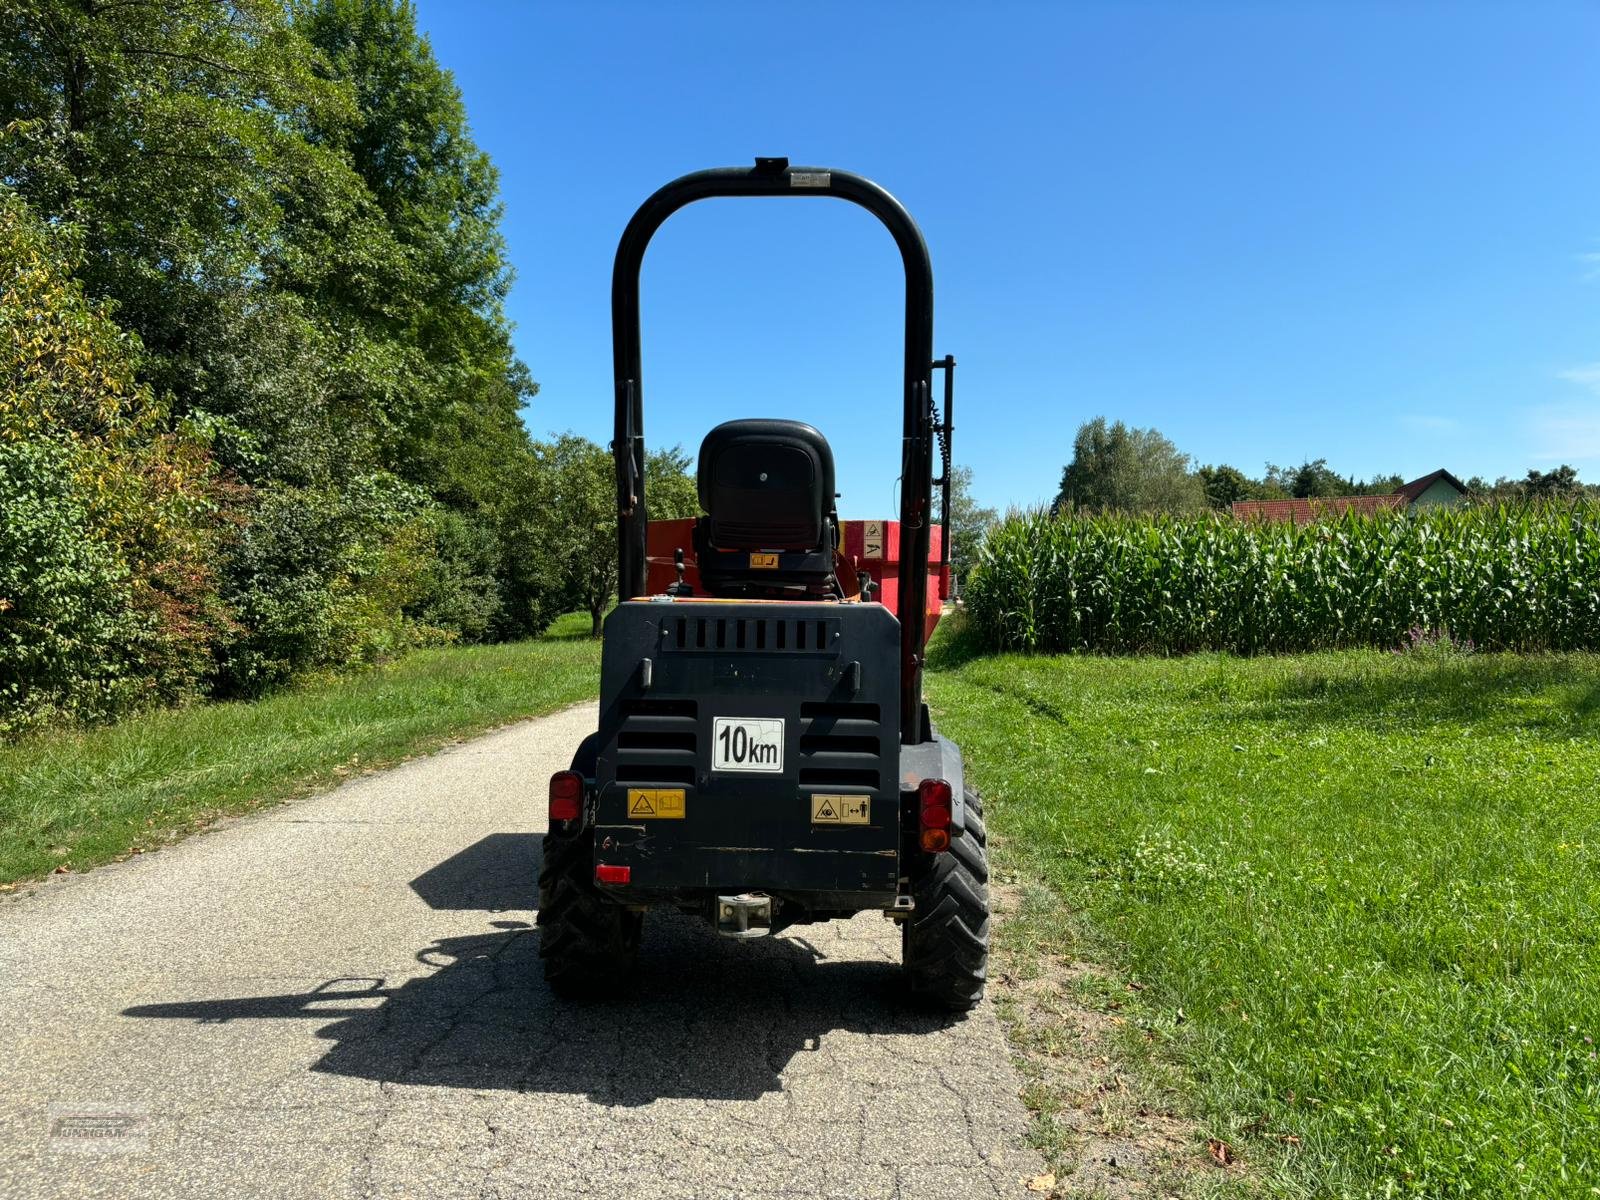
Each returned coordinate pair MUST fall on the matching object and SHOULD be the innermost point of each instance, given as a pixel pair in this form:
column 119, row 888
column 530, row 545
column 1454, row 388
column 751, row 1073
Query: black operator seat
column 766, row 486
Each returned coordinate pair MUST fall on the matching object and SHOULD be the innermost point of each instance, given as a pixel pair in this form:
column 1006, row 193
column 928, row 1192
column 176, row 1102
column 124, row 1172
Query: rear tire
column 945, row 940
column 588, row 942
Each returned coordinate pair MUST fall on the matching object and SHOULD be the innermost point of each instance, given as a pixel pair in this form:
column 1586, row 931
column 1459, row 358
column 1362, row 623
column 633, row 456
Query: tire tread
column 945, row 942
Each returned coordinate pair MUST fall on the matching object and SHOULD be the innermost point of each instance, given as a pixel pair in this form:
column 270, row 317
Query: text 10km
column 747, row 744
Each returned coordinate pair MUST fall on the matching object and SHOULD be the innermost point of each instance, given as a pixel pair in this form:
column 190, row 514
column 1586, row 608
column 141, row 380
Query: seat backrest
column 767, row 484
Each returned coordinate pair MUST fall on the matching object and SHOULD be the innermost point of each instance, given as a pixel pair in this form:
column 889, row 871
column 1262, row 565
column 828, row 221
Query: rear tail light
column 612, row 873
column 566, row 796
column 933, row 803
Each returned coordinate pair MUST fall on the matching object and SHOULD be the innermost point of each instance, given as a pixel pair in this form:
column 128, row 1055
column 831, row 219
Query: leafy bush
column 323, row 578
column 109, row 516
column 458, row 593
column 67, row 629
column 1506, row 578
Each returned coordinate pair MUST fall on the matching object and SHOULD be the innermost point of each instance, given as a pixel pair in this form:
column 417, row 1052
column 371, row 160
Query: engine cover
column 750, row 746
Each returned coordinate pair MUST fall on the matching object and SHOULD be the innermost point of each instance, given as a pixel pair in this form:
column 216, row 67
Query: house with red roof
column 1434, row 490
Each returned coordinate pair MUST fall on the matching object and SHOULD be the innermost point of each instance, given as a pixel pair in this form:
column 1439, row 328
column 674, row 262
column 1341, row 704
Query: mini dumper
column 764, row 756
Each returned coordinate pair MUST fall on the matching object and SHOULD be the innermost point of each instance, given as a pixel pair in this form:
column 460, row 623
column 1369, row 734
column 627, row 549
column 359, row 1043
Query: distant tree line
column 1559, row 484
column 1118, row 468
column 259, row 406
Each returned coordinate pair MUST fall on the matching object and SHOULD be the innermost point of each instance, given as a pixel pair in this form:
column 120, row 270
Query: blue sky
column 1369, row 233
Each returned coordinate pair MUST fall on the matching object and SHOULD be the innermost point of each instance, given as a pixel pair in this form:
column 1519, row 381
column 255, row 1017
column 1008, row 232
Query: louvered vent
column 764, row 635
column 658, row 741
column 841, row 745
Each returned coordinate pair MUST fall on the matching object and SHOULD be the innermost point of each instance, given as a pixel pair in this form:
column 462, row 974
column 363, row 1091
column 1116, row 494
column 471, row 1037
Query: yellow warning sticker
column 829, row 809
column 872, row 539
column 765, row 561
column 656, row 804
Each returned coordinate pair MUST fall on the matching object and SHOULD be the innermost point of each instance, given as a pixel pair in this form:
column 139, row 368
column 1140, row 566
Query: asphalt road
column 341, row 998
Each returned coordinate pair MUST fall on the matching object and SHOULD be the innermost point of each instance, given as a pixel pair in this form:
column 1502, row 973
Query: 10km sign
column 747, row 744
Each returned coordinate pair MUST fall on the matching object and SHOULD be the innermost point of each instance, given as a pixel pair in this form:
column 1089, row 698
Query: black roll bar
column 775, row 177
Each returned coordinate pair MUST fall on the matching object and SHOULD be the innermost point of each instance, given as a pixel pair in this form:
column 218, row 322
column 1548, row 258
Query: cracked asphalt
column 341, row 997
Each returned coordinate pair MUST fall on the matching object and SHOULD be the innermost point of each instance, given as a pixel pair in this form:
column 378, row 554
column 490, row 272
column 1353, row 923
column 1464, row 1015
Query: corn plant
column 1522, row 578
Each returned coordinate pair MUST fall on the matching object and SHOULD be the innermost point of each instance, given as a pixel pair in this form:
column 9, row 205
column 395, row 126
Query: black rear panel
column 696, row 795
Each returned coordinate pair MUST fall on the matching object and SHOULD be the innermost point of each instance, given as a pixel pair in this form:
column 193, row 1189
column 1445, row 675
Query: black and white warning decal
column 829, row 809
column 747, row 744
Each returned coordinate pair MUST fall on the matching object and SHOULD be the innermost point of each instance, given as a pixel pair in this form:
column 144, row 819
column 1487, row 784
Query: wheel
column 588, row 942
column 945, row 941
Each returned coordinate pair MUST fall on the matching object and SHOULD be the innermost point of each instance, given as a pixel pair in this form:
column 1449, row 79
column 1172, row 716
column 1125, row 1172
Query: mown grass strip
column 1358, row 894
column 72, row 800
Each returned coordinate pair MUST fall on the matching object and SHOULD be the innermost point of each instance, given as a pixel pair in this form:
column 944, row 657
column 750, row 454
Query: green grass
column 569, row 627
column 1360, row 893
column 78, row 799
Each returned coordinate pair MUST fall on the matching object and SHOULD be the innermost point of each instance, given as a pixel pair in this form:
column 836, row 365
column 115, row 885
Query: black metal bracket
column 945, row 428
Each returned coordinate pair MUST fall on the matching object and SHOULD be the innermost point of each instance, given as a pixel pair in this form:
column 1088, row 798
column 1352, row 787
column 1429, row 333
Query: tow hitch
column 745, row 916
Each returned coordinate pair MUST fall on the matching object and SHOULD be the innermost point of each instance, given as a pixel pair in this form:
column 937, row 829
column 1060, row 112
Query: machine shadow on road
column 706, row 1017
column 497, row 873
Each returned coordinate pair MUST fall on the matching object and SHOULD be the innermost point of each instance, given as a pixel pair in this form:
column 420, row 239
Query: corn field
column 1506, row 578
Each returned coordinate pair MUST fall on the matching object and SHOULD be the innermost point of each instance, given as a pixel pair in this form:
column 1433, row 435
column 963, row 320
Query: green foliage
column 1223, row 485
column 67, row 629
column 671, row 491
column 298, row 443
column 1314, row 479
column 427, row 300
column 1525, row 578
column 579, row 526
column 1353, row 895
column 1308, row 480
column 1118, row 469
column 1561, row 483
column 167, row 133
column 107, row 597
column 458, row 595
column 571, row 518
column 967, row 524
column 324, row 577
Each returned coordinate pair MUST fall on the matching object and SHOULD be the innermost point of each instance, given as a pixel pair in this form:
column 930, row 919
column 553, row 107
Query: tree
column 571, row 519
column 1381, row 485
column 167, row 133
column 1223, row 485
column 431, row 311
column 670, row 490
column 286, row 208
column 580, row 523
column 1559, row 484
column 1133, row 470
column 420, row 303
column 1312, row 479
column 967, row 523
